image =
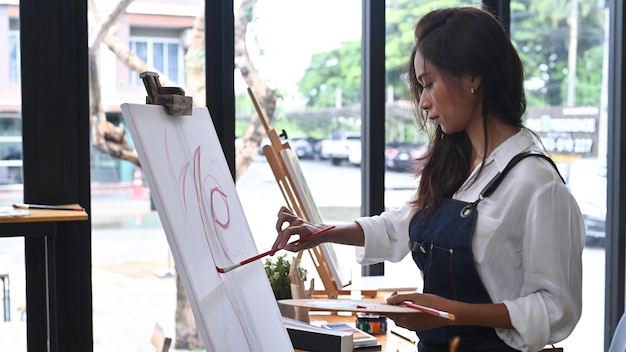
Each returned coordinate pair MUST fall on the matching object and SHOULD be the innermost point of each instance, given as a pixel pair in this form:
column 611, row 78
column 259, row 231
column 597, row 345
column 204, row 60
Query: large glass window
column 12, row 270
column 404, row 141
column 564, row 50
column 134, row 288
column 315, row 70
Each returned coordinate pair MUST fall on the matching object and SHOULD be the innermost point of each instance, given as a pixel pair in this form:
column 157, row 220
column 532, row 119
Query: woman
column 505, row 260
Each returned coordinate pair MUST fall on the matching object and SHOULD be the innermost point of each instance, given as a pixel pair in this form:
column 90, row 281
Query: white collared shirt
column 527, row 244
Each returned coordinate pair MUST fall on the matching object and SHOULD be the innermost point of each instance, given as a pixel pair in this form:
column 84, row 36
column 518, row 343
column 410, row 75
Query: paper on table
column 9, row 212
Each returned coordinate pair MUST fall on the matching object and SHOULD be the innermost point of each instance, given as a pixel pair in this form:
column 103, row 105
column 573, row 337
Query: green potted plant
column 277, row 271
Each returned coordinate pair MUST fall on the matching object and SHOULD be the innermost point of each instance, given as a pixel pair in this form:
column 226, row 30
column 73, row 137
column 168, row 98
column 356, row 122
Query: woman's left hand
column 421, row 321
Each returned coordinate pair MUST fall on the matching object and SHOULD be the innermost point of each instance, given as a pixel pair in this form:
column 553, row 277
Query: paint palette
column 346, row 305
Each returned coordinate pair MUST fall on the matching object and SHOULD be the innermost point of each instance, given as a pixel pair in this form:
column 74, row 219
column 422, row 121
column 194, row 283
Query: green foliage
column 243, row 104
column 400, row 21
column 277, row 270
column 195, row 57
column 540, row 30
column 329, row 72
column 340, row 69
column 589, row 77
column 541, row 33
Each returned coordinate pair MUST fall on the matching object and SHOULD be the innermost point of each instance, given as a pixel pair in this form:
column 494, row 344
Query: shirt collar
column 522, row 141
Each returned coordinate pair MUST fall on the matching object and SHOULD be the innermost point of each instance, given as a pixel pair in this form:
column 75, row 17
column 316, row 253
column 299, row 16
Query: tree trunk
column 194, row 63
column 265, row 96
column 187, row 336
column 105, row 137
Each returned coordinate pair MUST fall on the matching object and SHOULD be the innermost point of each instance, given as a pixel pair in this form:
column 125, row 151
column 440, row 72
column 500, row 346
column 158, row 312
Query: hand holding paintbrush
column 270, row 252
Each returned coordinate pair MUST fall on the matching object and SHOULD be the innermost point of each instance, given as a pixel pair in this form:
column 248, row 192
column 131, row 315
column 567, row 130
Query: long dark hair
column 460, row 41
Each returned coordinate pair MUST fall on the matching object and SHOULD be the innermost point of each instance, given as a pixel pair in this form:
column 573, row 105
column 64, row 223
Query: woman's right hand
column 289, row 224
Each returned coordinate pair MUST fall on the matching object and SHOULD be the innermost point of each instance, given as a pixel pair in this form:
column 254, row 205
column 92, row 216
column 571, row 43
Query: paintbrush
column 428, row 310
column 270, row 252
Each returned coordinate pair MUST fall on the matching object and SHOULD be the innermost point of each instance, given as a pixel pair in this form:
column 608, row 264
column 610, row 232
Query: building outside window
column 14, row 57
column 164, row 55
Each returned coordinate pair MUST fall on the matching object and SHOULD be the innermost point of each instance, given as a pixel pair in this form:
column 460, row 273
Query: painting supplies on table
column 270, row 252
column 371, row 323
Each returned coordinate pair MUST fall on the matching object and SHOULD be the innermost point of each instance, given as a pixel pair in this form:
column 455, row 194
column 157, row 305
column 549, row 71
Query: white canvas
column 205, row 226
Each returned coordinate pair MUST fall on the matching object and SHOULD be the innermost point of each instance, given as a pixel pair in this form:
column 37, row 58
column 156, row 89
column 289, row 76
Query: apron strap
column 495, row 182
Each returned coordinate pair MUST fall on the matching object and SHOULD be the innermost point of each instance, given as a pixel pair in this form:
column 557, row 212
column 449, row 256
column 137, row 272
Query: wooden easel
column 296, row 202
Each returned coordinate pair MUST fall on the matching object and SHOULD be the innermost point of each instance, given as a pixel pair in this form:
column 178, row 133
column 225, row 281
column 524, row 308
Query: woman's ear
column 472, row 82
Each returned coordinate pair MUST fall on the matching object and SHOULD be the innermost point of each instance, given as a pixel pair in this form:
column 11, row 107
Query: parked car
column 404, row 157
column 304, row 147
column 339, row 150
column 354, row 155
column 586, row 180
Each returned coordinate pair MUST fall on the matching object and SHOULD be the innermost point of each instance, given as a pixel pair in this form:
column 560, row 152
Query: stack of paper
column 9, row 212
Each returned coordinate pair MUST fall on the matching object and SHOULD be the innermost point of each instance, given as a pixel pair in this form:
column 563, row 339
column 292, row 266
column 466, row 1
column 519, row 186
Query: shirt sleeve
column 550, row 302
column 386, row 236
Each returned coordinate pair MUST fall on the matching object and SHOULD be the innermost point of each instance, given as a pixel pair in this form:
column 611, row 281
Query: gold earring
column 472, row 90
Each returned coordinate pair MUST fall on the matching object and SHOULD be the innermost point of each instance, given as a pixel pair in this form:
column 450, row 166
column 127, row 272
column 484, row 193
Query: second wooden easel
column 284, row 165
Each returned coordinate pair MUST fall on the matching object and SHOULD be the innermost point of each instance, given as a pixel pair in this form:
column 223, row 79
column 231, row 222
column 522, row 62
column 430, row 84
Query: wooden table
column 40, row 228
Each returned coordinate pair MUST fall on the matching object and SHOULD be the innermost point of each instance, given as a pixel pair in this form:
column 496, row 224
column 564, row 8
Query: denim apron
column 441, row 246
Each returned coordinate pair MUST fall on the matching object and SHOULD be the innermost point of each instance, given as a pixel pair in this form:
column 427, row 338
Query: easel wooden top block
column 46, row 215
column 172, row 98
